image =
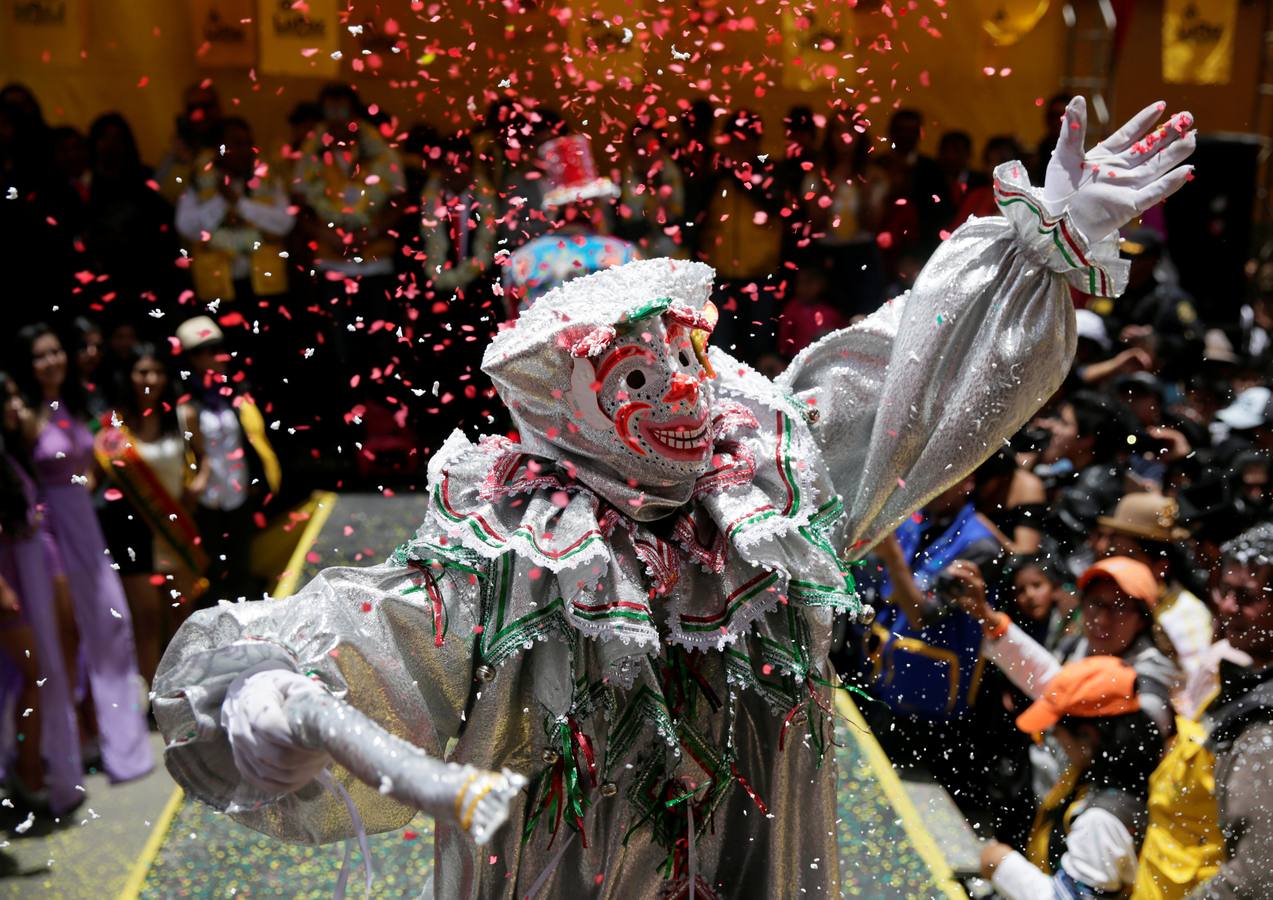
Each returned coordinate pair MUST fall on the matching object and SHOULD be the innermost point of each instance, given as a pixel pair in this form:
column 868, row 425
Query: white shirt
column 1099, row 853
column 227, row 465
column 167, row 459
column 266, row 213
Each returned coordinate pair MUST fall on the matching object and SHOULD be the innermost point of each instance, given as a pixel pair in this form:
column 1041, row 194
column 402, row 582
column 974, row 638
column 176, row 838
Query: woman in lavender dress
column 62, row 455
column 32, row 612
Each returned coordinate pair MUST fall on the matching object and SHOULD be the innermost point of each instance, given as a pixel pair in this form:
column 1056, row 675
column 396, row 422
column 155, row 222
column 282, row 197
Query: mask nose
column 684, row 390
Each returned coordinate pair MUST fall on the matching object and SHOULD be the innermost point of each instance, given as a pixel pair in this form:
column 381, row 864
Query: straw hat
column 1146, row 515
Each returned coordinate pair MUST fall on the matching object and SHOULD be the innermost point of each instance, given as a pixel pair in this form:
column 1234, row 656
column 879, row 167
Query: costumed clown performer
column 632, row 604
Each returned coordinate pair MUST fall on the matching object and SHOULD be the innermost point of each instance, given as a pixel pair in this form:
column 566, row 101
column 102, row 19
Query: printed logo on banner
column 39, row 12
column 1198, row 41
column 300, row 38
column 818, row 45
column 224, row 32
column 44, row 31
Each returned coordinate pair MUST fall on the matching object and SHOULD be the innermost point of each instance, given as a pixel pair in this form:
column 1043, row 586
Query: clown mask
column 643, row 394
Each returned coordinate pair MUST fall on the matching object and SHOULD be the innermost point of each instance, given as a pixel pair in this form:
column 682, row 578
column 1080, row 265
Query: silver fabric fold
column 920, row 393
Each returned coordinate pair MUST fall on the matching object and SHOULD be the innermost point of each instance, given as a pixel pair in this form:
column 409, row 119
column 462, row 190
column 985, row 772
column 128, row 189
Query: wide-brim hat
column 1216, row 347
column 1146, row 515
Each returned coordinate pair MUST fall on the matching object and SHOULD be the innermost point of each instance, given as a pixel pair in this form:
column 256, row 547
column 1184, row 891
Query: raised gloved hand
column 1106, row 187
column 266, row 752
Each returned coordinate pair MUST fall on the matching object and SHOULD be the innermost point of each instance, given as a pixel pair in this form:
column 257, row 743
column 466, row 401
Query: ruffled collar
column 761, row 528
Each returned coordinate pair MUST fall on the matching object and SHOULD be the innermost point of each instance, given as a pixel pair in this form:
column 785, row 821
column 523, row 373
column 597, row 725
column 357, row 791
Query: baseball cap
column 198, row 332
column 1091, row 688
column 1132, row 577
column 1092, row 327
column 1249, row 410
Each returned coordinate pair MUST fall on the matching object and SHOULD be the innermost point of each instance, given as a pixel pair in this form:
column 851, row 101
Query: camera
column 1030, row 439
column 947, row 588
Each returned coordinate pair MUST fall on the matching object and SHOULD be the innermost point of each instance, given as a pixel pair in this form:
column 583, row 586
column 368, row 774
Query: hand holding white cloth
column 265, row 750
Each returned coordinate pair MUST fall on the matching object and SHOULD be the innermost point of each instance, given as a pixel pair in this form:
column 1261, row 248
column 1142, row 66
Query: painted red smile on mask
column 683, row 438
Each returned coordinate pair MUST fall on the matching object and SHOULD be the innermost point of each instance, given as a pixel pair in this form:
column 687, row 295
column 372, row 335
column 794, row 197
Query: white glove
column 1122, row 176
column 265, row 752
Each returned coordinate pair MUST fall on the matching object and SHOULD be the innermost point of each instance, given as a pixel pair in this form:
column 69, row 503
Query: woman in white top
column 143, row 447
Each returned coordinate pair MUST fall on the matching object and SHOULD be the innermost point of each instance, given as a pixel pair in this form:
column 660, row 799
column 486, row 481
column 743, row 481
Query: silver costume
column 633, row 605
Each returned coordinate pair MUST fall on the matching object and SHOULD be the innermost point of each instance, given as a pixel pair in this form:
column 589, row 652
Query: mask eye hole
column 635, row 380
column 684, row 358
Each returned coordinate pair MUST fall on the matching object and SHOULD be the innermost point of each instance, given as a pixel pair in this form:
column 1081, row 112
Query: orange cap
column 1132, row 577
column 1090, row 688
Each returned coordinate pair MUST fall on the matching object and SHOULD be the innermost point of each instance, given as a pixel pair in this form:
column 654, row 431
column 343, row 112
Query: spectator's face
column 113, row 151
column 645, row 144
column 301, row 129
column 239, row 158
column 996, row 155
column 207, row 359
column 1107, row 542
column 1145, row 406
column 953, row 157
column 1111, row 619
column 903, row 131
column 1245, row 609
column 15, row 407
column 338, row 113
column 122, row 341
column 89, row 356
column 149, row 381
column 70, row 156
column 48, row 363
column 1141, row 272
column 1035, row 594
column 1066, row 441
column 1255, row 484
column 203, row 109
column 803, row 138
column 952, row 499
column 1079, row 746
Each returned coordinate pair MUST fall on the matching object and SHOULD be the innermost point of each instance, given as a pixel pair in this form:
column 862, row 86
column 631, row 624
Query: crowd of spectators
column 331, row 297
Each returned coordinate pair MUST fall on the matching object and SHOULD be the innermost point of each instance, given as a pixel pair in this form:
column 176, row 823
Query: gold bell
column 550, row 755
column 609, row 789
column 484, row 673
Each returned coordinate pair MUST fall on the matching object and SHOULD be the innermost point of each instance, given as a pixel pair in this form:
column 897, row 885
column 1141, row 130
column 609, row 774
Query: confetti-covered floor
column 884, row 852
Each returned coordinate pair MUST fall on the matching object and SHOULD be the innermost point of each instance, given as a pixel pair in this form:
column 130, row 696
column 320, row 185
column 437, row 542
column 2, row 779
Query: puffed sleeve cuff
column 1054, row 241
column 187, row 707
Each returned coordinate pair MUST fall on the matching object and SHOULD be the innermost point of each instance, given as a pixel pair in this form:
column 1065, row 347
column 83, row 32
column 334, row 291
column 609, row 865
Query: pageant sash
column 116, row 452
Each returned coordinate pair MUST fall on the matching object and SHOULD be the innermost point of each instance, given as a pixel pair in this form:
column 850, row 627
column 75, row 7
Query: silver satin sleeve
column 916, row 396
column 367, row 638
column 472, row 799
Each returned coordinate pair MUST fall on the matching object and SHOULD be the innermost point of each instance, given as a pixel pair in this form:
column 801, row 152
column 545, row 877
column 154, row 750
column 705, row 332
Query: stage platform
column 886, row 848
